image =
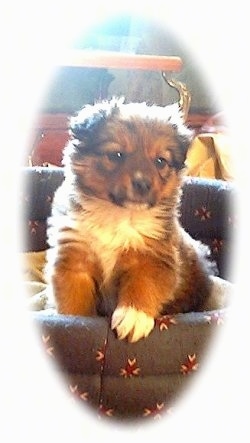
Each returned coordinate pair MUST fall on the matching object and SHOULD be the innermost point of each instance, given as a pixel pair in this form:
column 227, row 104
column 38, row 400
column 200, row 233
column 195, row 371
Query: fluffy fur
column 116, row 245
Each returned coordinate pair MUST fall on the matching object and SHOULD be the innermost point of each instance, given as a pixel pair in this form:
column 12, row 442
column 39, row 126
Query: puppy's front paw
column 132, row 323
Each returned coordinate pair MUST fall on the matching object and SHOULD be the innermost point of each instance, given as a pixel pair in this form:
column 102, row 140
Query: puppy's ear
column 184, row 136
column 92, row 118
column 88, row 120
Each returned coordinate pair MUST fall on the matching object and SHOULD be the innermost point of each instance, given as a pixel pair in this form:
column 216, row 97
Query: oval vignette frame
column 185, row 406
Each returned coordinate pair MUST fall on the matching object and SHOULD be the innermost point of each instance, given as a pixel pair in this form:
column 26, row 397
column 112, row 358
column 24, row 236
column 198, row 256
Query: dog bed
column 117, row 379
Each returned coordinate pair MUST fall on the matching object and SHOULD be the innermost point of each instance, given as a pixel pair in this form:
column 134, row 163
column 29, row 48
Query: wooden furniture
column 50, row 132
column 118, row 60
column 50, row 135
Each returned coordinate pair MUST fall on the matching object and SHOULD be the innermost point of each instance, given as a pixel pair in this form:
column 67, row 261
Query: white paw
column 132, row 323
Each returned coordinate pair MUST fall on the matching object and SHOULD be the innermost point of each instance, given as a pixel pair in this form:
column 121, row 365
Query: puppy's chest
column 108, row 241
column 108, row 235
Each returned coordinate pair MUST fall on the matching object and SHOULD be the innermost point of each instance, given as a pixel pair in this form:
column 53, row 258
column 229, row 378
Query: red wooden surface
column 118, row 60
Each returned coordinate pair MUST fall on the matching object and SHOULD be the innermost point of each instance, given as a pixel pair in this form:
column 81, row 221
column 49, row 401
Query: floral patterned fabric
column 117, row 379
column 124, row 380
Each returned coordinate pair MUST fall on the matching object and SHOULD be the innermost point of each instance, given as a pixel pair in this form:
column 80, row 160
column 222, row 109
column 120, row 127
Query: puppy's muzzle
column 137, row 190
column 141, row 185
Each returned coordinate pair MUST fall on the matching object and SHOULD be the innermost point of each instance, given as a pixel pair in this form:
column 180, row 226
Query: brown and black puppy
column 116, row 245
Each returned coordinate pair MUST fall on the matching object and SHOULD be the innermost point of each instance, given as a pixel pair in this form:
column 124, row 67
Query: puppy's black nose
column 141, row 185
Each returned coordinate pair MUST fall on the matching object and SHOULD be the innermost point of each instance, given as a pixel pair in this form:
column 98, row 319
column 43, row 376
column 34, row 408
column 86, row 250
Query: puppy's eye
column 160, row 162
column 116, row 156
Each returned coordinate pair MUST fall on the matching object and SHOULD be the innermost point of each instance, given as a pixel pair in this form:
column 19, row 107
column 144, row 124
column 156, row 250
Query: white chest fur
column 109, row 229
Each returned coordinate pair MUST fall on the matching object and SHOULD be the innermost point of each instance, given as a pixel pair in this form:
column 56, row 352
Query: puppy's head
column 129, row 154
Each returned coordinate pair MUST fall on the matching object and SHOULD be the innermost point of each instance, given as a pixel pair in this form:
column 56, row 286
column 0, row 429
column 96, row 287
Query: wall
column 73, row 87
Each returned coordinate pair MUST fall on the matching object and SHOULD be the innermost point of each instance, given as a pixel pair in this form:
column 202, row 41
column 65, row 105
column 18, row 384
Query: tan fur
column 116, row 243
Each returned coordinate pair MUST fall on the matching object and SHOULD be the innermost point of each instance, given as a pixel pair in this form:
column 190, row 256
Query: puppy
column 116, row 245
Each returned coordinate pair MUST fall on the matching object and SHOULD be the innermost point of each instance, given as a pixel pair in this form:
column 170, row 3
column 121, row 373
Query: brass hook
column 185, row 96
